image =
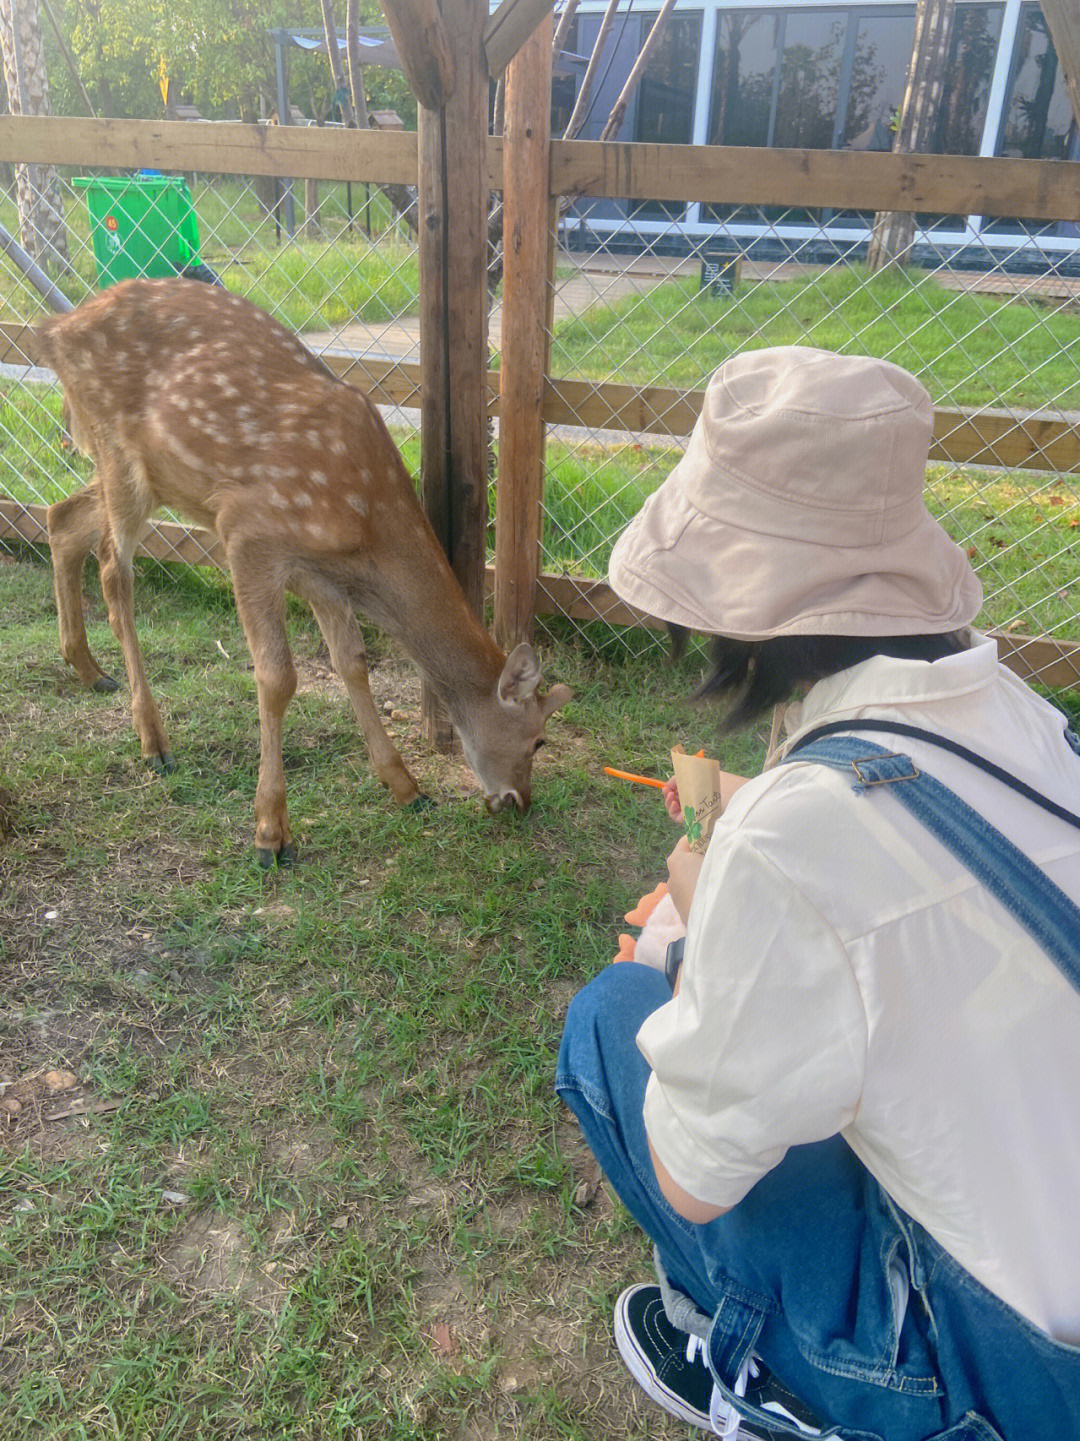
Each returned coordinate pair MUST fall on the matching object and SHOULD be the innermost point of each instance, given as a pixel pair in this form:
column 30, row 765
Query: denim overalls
column 849, row 1301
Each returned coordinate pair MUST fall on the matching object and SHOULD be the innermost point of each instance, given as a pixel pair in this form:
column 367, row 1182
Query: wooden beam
column 994, row 438
column 18, row 345
column 1063, row 22
column 512, row 24
column 527, row 260
column 301, row 151
column 424, row 48
column 163, row 540
column 838, row 179
column 1005, row 439
column 1043, row 658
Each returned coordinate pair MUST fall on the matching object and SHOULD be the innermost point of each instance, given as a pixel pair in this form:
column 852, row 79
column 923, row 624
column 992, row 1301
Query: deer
column 187, row 396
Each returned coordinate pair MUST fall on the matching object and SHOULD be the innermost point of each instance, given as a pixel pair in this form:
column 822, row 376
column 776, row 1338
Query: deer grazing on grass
column 189, row 397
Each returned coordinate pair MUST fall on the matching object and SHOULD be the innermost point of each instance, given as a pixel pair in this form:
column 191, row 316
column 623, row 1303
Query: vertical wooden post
column 527, row 228
column 453, row 316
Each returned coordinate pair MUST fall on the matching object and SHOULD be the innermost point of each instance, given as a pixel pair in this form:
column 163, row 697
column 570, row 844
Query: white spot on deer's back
column 183, row 453
column 319, row 477
column 357, row 503
column 316, row 531
column 277, row 499
column 337, row 446
column 302, row 499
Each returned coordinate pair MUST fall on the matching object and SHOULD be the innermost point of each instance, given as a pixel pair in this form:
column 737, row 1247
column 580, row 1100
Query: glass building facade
column 823, row 75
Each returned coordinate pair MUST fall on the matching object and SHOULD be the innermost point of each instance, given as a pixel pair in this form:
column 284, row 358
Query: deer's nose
column 503, row 802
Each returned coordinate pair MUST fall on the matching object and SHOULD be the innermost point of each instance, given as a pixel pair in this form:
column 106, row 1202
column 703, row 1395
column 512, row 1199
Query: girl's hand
column 671, row 800
column 684, row 867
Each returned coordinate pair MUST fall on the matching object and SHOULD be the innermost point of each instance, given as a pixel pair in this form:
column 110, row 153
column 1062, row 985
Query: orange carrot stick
column 638, row 780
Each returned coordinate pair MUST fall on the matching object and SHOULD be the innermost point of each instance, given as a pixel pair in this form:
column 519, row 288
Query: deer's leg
column 114, row 558
column 74, row 526
column 260, row 603
column 345, row 643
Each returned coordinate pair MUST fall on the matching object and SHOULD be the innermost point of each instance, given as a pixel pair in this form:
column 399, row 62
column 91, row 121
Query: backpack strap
column 898, row 728
column 1041, row 907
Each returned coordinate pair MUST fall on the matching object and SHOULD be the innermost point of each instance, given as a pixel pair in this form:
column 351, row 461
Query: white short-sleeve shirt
column 844, row 973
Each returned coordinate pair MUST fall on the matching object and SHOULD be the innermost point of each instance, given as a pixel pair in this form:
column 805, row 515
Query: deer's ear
column 557, row 696
column 520, row 675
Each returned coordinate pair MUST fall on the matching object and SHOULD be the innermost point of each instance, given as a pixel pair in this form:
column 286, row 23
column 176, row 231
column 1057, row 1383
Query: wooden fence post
column 453, row 316
column 527, row 231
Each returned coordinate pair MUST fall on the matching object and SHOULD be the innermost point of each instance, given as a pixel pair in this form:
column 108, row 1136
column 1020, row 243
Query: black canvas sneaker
column 670, row 1367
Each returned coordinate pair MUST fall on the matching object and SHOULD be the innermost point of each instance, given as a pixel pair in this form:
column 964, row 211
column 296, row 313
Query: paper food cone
column 700, row 796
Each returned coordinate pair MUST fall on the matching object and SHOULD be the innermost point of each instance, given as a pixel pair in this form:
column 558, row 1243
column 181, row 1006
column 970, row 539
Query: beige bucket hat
column 798, row 508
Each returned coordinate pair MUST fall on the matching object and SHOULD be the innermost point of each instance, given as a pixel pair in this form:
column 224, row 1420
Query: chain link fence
column 334, row 261
column 992, row 330
column 646, row 296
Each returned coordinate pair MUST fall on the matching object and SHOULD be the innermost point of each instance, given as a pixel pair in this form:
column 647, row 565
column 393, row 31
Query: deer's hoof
column 163, row 763
column 104, row 685
column 267, row 858
column 422, row 802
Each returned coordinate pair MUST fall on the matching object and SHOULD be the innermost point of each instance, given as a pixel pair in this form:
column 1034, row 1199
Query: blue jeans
column 802, row 1272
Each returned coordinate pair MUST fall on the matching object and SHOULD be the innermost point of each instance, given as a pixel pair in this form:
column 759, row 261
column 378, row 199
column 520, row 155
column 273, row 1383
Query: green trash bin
column 140, row 225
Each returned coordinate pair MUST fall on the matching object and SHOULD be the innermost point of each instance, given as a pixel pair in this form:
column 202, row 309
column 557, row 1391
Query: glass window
column 962, row 118
column 1038, row 122
column 621, row 49
column 665, row 102
column 878, row 79
column 809, row 90
column 744, row 68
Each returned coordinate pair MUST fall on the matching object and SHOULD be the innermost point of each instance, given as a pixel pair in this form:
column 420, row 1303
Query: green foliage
column 219, row 56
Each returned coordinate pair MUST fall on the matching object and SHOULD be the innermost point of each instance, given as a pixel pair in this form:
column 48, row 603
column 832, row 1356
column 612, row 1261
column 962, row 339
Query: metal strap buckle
column 866, row 780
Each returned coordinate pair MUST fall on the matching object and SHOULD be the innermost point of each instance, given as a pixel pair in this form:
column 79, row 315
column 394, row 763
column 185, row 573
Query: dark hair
column 755, row 675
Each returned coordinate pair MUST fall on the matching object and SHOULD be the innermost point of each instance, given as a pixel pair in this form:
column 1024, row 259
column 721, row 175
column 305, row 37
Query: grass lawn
column 314, row 1182
column 968, row 349
column 279, row 1154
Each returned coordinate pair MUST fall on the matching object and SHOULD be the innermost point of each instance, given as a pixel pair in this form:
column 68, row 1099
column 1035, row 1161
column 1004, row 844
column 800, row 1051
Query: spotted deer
column 187, row 396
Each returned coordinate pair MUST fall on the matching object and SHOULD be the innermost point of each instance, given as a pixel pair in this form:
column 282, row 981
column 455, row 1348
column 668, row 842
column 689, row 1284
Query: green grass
column 345, row 1068
column 968, row 349
column 326, row 1191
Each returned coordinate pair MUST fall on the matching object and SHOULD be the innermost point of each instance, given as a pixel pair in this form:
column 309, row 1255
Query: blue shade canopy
column 377, row 46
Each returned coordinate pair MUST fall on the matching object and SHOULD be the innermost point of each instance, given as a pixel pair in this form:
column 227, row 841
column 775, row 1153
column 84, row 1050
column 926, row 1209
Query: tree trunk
column 356, row 70
column 633, row 80
column 333, row 54
column 581, row 104
column 890, row 243
column 41, row 212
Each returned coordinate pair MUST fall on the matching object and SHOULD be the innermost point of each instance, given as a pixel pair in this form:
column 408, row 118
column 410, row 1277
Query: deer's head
column 501, row 737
